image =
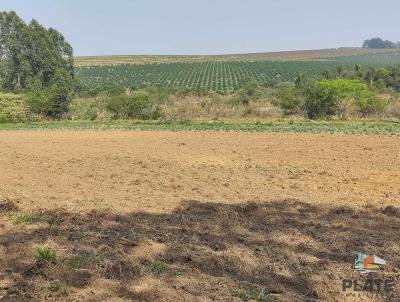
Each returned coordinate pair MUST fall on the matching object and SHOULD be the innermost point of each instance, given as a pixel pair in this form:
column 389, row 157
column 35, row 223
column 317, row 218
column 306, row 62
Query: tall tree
column 14, row 39
column 34, row 58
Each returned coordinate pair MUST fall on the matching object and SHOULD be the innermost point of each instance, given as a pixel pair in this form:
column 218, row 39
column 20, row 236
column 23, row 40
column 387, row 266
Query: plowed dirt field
column 195, row 216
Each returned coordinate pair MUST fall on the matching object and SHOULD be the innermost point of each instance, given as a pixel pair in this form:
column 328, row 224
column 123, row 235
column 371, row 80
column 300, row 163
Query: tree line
column 378, row 43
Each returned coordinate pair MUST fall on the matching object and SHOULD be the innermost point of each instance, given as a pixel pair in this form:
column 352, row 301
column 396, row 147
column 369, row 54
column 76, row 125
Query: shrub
column 87, row 109
column 249, row 91
column 330, row 97
column 54, row 100
column 137, row 106
column 367, row 102
column 315, row 105
column 15, row 108
column 39, row 102
column 113, row 90
column 290, row 99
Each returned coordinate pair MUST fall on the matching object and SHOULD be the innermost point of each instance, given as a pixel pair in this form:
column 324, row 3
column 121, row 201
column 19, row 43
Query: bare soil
column 195, row 216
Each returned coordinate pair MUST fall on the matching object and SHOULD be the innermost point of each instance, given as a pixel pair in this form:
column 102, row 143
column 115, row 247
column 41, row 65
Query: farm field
column 220, row 75
column 194, row 216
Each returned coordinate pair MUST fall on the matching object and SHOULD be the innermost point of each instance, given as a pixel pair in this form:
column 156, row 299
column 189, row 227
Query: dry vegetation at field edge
column 163, row 216
column 282, row 55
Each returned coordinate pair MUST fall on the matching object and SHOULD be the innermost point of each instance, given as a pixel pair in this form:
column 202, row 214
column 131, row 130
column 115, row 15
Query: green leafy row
column 307, row 126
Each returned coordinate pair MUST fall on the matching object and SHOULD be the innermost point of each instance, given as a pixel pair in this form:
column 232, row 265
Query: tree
column 336, row 96
column 35, row 59
column 379, row 43
column 14, row 41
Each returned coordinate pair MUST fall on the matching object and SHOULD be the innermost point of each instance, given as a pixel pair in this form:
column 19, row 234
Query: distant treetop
column 378, row 43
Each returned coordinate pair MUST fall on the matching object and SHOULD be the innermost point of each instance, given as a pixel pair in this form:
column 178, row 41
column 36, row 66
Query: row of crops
column 215, row 76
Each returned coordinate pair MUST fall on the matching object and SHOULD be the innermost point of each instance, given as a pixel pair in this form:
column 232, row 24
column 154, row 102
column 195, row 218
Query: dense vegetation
column 342, row 91
column 37, row 61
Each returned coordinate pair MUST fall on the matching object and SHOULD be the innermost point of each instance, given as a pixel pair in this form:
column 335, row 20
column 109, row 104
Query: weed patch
column 26, row 219
column 160, row 268
column 46, row 254
column 75, row 262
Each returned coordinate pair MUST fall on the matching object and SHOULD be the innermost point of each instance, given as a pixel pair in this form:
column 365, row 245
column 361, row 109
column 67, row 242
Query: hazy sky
column 95, row 27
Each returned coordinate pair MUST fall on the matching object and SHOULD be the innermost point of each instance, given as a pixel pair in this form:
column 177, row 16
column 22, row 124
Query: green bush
column 52, row 101
column 136, row 106
column 368, row 103
column 15, row 108
column 39, row 102
column 329, row 97
column 316, row 105
column 249, row 91
column 290, row 99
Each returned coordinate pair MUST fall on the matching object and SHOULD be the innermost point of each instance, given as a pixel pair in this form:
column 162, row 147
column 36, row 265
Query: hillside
column 321, row 54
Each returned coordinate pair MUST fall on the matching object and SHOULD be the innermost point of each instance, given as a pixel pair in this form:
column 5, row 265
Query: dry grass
column 217, row 107
column 394, row 109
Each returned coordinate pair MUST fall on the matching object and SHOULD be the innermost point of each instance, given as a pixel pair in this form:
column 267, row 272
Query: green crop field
column 223, row 75
column 216, row 76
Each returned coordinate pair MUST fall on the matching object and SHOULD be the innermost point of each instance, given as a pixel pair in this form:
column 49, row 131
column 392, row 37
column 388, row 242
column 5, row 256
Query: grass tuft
column 160, row 268
column 26, row 219
column 46, row 254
